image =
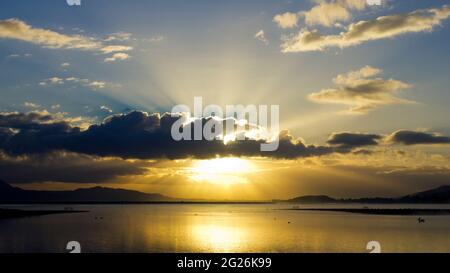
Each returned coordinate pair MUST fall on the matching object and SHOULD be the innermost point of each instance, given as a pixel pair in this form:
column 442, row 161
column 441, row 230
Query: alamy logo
column 74, row 247
column 73, row 2
column 237, row 122
column 374, row 247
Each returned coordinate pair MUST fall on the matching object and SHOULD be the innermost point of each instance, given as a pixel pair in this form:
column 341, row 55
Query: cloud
column 404, row 137
column 415, row 137
column 118, row 36
column 97, row 85
column 362, row 91
column 92, row 84
column 42, row 147
column 31, row 105
column 24, row 133
column 348, row 139
column 52, row 80
column 115, row 48
column 324, row 13
column 261, row 37
column 106, row 109
column 328, row 13
column 363, row 152
column 19, row 30
column 117, row 57
column 13, row 56
column 136, row 135
column 67, row 167
column 287, row 19
column 383, row 27
column 140, row 135
column 19, row 120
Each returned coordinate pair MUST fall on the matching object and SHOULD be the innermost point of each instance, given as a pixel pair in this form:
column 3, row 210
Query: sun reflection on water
column 218, row 238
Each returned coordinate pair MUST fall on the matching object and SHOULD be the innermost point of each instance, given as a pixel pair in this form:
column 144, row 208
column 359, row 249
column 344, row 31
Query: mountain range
column 10, row 194
column 438, row 195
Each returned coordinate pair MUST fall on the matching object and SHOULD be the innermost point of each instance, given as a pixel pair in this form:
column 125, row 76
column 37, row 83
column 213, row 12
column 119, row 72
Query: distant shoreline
column 18, row 213
column 374, row 211
column 210, row 203
column 6, row 213
column 142, row 203
column 104, row 195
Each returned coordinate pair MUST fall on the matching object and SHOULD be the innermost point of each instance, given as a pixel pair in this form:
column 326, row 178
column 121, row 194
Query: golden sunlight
column 217, row 238
column 223, row 171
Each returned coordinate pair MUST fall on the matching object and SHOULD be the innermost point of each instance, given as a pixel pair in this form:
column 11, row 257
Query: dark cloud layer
column 413, row 137
column 66, row 167
column 347, row 139
column 38, row 147
column 133, row 135
column 139, row 135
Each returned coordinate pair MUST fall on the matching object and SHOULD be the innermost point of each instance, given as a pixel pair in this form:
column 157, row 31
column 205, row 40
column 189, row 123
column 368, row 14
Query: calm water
column 220, row 228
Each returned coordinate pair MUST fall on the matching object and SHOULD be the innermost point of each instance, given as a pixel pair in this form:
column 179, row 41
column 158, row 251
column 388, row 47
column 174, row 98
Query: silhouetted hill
column 437, row 195
column 311, row 199
column 9, row 194
column 4, row 186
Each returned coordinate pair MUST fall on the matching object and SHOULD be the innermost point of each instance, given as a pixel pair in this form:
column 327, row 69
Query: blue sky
column 208, row 48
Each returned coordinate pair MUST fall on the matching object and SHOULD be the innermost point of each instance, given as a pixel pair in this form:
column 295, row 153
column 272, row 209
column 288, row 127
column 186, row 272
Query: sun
column 224, row 171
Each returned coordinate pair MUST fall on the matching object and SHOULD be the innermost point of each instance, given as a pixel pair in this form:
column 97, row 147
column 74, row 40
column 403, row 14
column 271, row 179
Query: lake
column 222, row 228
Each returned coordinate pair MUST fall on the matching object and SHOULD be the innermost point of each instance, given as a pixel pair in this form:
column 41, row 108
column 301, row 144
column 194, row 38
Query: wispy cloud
column 261, row 37
column 92, row 84
column 106, row 109
column 383, row 27
column 13, row 56
column 118, row 36
column 117, row 57
column 115, row 48
column 31, row 105
column 19, row 30
column 52, row 80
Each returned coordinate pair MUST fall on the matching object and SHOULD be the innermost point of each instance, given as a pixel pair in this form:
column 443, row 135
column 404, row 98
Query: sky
column 363, row 93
